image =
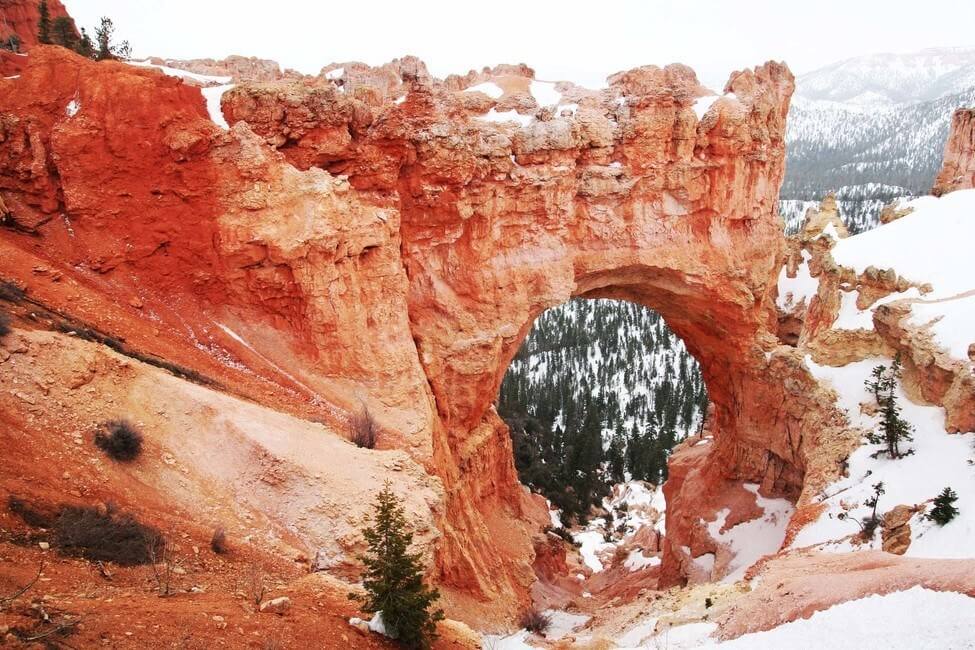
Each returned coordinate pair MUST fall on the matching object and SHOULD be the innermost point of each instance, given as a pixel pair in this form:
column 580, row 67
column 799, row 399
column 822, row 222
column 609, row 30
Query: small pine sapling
column 894, row 429
column 393, row 577
column 944, row 507
column 868, row 525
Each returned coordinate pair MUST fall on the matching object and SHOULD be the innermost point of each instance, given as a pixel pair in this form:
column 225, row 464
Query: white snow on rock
column 798, row 290
column 940, row 460
column 516, row 641
column 749, row 541
column 932, row 244
column 335, row 74
column 951, row 321
column 591, row 542
column 377, row 625
column 903, row 620
column 489, row 88
column 702, row 104
column 636, row 560
column 72, row 108
column 851, row 318
column 562, row 623
column 545, row 93
column 184, row 74
column 212, row 96
column 506, row 116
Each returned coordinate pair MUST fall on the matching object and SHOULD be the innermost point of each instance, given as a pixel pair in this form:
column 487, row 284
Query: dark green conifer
column 944, row 507
column 393, row 578
column 43, row 23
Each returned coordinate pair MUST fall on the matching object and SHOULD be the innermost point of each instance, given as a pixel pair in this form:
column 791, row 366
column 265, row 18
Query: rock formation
column 238, row 68
column 958, row 169
column 20, row 18
column 400, row 258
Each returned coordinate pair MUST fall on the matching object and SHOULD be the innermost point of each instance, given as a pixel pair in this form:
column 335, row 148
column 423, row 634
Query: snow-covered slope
column 885, row 79
column 929, row 246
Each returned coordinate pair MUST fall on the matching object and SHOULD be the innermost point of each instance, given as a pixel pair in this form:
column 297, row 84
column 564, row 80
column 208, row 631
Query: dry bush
column 30, row 515
column 11, row 292
column 535, row 621
column 95, row 535
column 218, row 543
column 4, row 324
column 119, row 440
column 255, row 585
column 161, row 562
column 363, row 429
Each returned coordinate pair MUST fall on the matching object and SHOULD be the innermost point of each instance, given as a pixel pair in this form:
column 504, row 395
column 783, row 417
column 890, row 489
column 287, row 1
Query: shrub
column 95, row 535
column 4, row 324
column 535, row 621
column 218, row 543
column 11, row 292
column 31, row 516
column 120, row 440
column 944, row 509
column 363, row 429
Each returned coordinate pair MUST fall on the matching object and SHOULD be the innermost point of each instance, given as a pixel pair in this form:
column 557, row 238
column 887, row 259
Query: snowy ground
column 909, row 620
column 749, row 541
column 929, row 246
column 631, row 506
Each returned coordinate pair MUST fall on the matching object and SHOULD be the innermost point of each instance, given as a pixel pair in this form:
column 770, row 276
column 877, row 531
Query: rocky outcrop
column 238, row 68
column 958, row 169
column 402, row 259
column 823, row 220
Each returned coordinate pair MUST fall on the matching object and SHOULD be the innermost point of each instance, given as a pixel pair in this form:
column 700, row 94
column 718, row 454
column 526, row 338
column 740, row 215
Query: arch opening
column 599, row 393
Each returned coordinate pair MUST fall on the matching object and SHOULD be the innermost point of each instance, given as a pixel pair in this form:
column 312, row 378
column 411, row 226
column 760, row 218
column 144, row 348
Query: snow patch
column 911, row 619
column 702, row 104
column 335, row 74
column 749, row 541
column 184, row 74
column 506, row 116
column 72, row 108
column 545, row 93
column 799, row 290
column 636, row 560
column 213, row 95
column 489, row 88
column 562, row 623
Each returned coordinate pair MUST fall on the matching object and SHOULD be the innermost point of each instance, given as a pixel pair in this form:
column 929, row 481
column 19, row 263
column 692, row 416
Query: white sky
column 582, row 41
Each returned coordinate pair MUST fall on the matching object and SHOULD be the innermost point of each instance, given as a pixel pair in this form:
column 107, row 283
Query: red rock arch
column 410, row 273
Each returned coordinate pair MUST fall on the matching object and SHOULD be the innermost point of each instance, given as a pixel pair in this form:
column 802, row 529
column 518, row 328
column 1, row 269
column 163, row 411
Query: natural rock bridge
column 391, row 241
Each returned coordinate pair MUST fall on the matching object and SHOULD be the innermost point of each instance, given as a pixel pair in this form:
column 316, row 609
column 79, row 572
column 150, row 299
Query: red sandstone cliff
column 20, row 18
column 402, row 259
column 958, row 169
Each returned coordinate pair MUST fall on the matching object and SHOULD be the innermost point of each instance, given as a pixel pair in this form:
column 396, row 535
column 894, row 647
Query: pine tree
column 64, row 33
column 103, row 41
column 43, row 23
column 944, row 507
column 894, row 428
column 394, row 577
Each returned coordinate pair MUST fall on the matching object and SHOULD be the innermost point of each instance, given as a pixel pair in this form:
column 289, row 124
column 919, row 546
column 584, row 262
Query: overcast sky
column 582, row 41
